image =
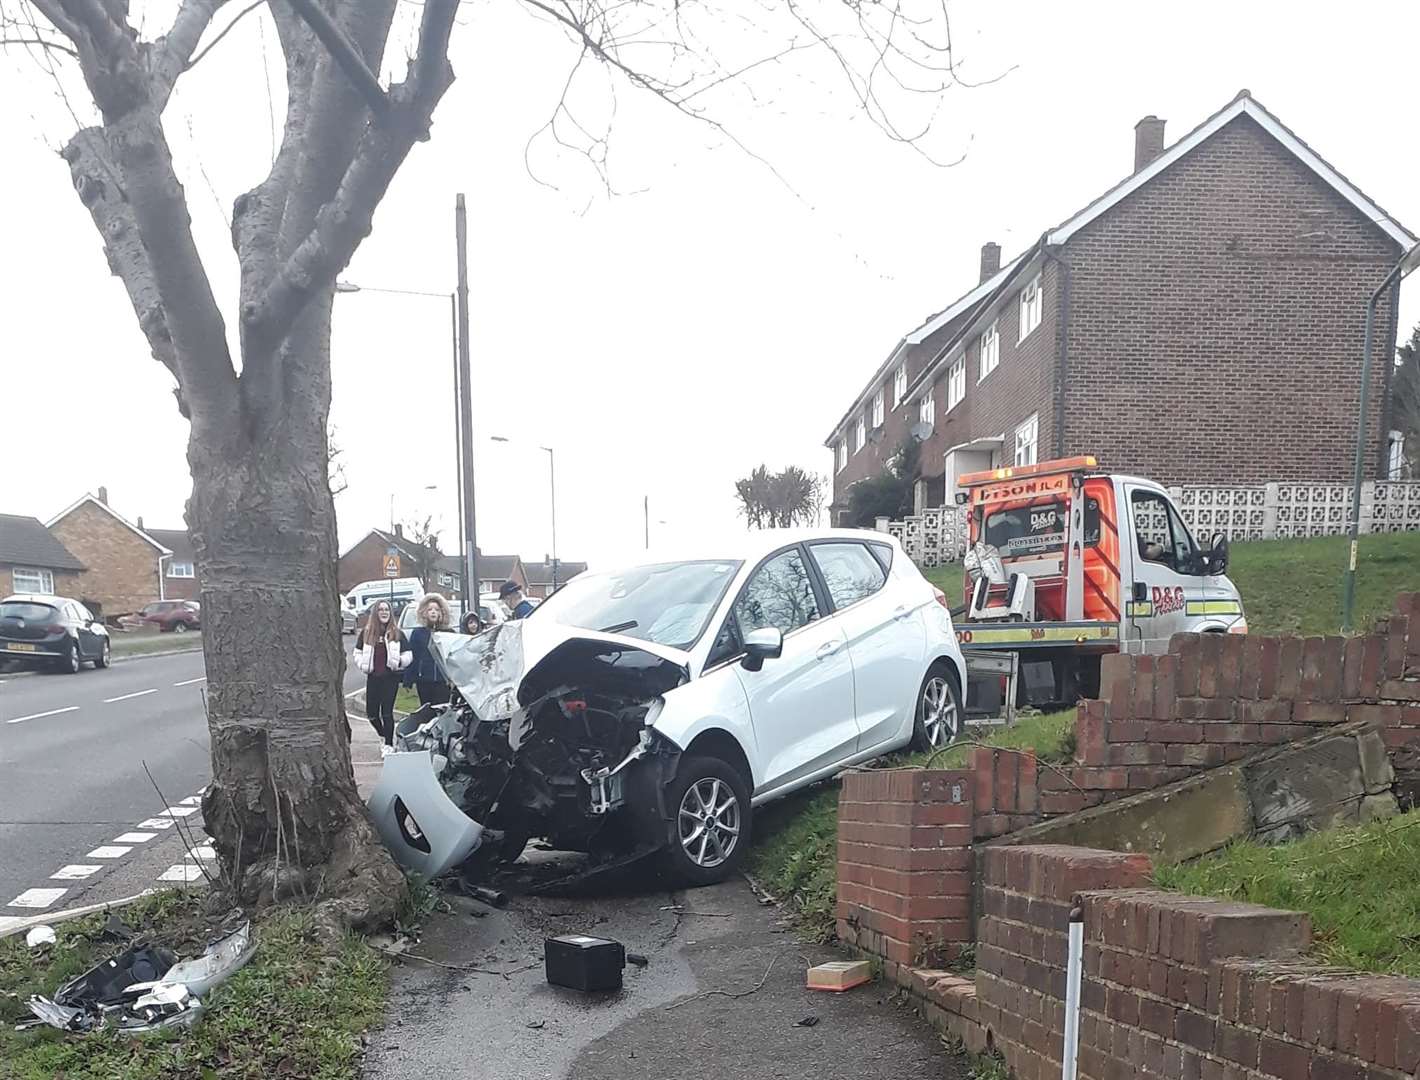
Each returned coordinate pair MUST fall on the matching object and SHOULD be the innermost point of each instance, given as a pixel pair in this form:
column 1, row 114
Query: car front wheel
column 939, row 709
column 179, row 628
column 711, row 833
column 103, row 659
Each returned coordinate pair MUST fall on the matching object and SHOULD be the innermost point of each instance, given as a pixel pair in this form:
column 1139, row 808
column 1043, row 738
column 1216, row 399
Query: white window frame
column 36, row 575
column 181, row 570
column 989, row 346
column 878, row 413
column 899, row 385
column 860, row 435
column 927, row 409
column 1395, row 456
column 1032, row 310
column 1028, row 441
column 956, row 383
column 841, row 454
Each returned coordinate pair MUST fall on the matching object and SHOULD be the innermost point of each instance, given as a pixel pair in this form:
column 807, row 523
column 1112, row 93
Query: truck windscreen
column 1038, row 529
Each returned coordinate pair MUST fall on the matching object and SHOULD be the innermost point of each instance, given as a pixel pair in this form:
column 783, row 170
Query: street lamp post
column 552, row 483
column 1409, row 262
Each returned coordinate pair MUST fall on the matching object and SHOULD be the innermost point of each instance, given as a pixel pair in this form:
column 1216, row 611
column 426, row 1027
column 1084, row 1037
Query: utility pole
column 646, row 512
column 470, row 533
column 468, row 605
column 552, row 480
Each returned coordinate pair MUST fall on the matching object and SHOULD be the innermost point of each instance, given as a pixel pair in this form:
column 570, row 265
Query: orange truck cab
column 1065, row 563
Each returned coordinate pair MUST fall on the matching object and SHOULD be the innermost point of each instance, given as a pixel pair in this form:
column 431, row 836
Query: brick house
column 539, row 575
column 179, row 568
column 1200, row 322
column 364, row 561
column 123, row 563
column 32, row 559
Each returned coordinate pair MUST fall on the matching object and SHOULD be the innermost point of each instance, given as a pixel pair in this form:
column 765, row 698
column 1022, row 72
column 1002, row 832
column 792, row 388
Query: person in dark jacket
column 423, row 674
column 512, row 594
column 382, row 652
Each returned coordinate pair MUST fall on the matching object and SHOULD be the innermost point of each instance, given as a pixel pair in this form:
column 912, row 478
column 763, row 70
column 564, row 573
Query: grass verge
column 1356, row 883
column 796, row 847
column 142, row 644
column 297, row 1010
column 1294, row 586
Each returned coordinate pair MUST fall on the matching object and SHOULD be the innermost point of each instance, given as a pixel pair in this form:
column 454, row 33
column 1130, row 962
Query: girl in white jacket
column 382, row 652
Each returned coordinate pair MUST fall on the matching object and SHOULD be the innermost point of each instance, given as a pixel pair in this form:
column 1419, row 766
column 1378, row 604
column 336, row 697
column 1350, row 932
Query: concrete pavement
column 80, row 821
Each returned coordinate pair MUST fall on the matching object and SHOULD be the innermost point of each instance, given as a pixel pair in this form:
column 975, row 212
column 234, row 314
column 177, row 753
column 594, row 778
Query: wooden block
column 840, row 975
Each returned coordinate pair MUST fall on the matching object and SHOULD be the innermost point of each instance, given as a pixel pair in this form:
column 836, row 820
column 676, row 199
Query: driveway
column 504, row 1022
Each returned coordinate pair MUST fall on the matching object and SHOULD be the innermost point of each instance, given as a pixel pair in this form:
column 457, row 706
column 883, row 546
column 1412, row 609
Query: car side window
column 727, row 643
column 849, row 570
column 780, row 593
column 1161, row 536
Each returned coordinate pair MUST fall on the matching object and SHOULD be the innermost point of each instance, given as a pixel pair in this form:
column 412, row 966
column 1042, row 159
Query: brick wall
column 1173, row 986
column 1206, row 309
column 366, row 562
column 122, row 572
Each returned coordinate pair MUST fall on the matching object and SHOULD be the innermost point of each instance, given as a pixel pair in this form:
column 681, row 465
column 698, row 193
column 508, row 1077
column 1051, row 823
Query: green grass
column 297, row 1009
column 796, row 849
column 407, row 700
column 140, row 644
column 1356, row 883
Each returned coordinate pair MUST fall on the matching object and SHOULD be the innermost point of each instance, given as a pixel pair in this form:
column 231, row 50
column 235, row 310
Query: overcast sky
column 717, row 313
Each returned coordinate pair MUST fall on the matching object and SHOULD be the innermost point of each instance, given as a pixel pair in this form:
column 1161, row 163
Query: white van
column 397, row 590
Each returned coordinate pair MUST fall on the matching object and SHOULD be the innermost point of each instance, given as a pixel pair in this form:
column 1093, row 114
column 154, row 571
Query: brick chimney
column 399, row 530
column 140, row 523
column 103, row 495
column 990, row 259
column 1148, row 141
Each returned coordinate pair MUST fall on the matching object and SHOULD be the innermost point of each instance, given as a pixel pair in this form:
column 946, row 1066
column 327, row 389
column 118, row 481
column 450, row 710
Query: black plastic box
column 584, row 963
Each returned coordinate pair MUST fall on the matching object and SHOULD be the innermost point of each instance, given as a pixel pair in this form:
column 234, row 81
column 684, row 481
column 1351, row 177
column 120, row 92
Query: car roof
column 751, row 545
column 38, row 598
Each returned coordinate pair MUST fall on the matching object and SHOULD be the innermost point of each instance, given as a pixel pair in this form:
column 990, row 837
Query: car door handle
column 827, row 649
column 901, row 611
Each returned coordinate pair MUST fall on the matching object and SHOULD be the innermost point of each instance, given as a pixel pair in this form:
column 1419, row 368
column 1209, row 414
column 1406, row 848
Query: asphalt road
column 74, row 797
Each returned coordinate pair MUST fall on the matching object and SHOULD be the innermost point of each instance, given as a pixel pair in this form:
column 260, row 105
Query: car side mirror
column 764, row 644
column 1218, row 554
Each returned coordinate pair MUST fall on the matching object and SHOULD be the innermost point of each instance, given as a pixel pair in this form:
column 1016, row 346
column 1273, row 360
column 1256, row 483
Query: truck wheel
column 939, row 711
column 711, row 833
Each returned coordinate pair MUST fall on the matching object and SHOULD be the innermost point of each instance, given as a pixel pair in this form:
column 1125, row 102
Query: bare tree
column 282, row 805
column 424, row 549
column 780, row 500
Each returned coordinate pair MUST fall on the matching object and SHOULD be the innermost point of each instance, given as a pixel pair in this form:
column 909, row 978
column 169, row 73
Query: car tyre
column 710, row 833
column 939, row 714
column 179, row 628
column 104, row 658
column 70, row 664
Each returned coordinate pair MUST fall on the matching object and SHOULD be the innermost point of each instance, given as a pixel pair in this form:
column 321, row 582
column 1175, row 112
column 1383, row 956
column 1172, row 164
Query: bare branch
column 344, row 54
column 171, row 54
column 52, row 11
column 58, row 46
column 224, row 32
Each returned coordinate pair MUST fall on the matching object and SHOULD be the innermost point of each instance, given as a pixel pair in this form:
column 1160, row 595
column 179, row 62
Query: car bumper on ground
column 422, row 827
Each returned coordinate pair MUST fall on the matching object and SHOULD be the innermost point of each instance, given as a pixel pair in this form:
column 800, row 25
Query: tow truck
column 1064, row 564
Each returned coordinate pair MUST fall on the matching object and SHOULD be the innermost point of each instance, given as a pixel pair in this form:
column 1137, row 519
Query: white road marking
column 185, row 874
column 134, row 838
column 37, row 898
column 125, row 697
column 8, row 921
column 189, row 682
column 179, row 811
column 75, row 872
column 156, row 823
column 354, row 692
column 40, row 715
column 109, row 851
column 203, row 853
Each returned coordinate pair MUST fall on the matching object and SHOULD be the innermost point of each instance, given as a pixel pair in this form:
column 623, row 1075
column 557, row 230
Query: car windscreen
column 666, row 603
column 16, row 609
column 1037, row 529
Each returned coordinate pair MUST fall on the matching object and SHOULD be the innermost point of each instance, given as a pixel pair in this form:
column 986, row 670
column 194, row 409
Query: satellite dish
column 921, row 431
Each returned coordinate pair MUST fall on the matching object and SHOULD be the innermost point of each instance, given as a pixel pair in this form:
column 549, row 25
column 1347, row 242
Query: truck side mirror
column 1218, row 554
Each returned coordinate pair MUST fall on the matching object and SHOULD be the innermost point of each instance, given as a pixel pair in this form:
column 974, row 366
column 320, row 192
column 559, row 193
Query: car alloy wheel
column 941, row 721
column 104, row 656
column 71, row 660
column 180, row 628
column 709, row 822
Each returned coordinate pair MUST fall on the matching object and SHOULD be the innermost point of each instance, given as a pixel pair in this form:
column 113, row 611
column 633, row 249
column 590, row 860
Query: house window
column 956, row 383
column 181, row 569
column 990, row 351
column 1032, row 306
column 843, row 455
column 446, row 579
column 899, row 385
column 27, row 580
column 926, row 411
column 860, row 436
column 1395, row 456
column 1026, row 440
column 878, row 409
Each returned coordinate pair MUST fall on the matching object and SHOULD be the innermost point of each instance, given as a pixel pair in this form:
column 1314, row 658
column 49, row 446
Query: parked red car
column 178, row 616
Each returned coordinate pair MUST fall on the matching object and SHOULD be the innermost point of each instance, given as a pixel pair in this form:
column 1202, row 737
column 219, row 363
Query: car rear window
column 28, row 612
column 1037, row 529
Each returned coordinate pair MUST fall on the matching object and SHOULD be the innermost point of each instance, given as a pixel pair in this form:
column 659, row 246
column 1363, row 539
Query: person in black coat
column 423, row 674
column 381, row 652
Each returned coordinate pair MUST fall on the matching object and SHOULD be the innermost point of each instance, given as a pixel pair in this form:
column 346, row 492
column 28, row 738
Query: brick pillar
column 904, row 864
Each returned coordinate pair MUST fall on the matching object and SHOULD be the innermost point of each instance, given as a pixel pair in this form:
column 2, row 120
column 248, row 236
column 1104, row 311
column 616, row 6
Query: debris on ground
column 637, row 959
column 40, row 935
column 808, row 1021
column 579, row 962
column 143, row 988
column 839, row 975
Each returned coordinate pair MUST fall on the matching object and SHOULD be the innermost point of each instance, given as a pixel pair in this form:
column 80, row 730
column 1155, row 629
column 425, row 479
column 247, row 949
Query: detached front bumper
column 423, row 828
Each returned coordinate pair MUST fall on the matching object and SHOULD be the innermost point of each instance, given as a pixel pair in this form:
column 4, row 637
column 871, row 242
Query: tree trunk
column 282, row 806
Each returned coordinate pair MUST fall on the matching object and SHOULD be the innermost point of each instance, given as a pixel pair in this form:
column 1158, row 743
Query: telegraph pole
column 458, row 458
column 470, row 535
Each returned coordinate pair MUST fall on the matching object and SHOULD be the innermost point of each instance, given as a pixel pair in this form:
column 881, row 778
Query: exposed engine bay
column 565, row 751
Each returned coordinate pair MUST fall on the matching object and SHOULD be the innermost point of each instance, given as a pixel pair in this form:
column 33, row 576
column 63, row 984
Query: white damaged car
column 652, row 708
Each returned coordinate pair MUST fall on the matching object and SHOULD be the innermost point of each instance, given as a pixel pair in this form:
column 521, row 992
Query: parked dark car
column 39, row 631
column 177, row 616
